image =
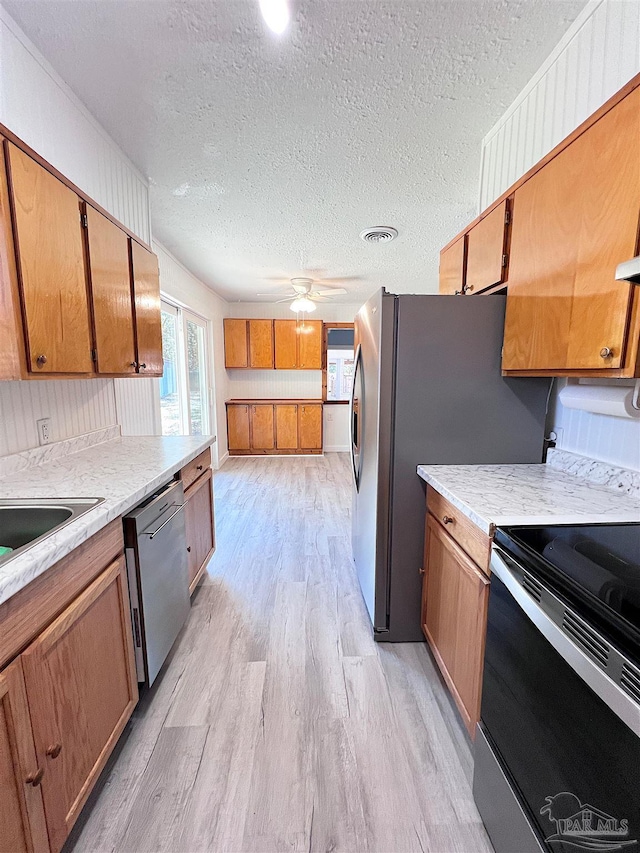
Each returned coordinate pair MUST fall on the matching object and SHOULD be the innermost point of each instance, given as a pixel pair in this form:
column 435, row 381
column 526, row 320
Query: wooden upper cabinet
column 262, row 427
column 238, row 429
column 486, row 251
column 286, row 344
column 310, row 426
column 286, row 426
column 81, row 686
column 236, row 343
column 147, row 312
column 261, row 343
column 111, row 299
column 573, row 222
column 310, row 344
column 452, row 263
column 51, row 268
column 22, row 821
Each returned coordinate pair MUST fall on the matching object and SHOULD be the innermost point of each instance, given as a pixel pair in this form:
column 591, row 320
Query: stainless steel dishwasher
column 156, row 552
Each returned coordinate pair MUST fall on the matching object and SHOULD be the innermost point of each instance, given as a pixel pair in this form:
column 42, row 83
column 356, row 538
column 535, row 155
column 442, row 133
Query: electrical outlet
column 329, row 416
column 44, row 430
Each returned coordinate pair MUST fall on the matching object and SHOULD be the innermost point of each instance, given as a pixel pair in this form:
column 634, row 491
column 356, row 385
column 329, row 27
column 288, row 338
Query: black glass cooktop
column 595, row 566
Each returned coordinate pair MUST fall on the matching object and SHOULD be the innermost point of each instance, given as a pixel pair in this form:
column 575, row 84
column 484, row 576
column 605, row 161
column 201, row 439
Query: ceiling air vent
column 379, row 234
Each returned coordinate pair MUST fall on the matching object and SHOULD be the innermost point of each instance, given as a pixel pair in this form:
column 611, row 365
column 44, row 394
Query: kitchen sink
column 23, row 523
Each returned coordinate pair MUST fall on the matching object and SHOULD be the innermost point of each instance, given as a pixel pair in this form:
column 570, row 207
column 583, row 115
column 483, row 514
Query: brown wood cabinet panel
column 194, row 469
column 261, row 343
column 573, row 222
column 452, row 262
column 286, row 427
column 111, row 298
column 238, row 433
column 236, row 343
column 310, row 426
column 310, row 344
column 454, row 618
column 81, row 687
column 51, row 268
column 262, row 427
column 146, row 298
column 286, row 344
column 486, row 251
column 199, row 524
column 22, row 823
column 12, row 345
column 470, row 538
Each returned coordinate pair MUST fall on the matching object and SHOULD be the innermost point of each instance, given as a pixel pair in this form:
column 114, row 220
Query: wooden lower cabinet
column 22, row 822
column 199, row 524
column 81, row 688
column 454, row 617
column 274, row 427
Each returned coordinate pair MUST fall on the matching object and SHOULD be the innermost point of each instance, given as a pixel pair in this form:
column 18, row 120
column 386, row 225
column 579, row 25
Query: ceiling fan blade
column 286, row 299
column 332, row 291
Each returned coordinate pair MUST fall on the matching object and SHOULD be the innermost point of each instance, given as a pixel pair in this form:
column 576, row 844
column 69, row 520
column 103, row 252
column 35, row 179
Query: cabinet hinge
column 505, row 258
column 507, row 217
column 84, row 222
column 94, row 355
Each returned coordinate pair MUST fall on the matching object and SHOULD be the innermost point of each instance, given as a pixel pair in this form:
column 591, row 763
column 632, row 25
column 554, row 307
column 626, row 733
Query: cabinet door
column 262, row 427
column 310, row 345
column 486, row 251
column 198, row 519
column 111, row 295
column 146, row 299
column 238, row 427
column 22, row 824
column 286, row 426
column 261, row 343
column 454, row 617
column 452, row 262
column 286, row 344
column 51, row 268
column 236, row 345
column 82, row 688
column 573, row 222
column 310, row 426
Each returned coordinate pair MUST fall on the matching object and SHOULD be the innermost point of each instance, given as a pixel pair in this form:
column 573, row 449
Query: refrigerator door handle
column 353, row 418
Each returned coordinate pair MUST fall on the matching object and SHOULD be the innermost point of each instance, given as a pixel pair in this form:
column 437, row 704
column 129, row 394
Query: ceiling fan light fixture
column 275, row 14
column 302, row 305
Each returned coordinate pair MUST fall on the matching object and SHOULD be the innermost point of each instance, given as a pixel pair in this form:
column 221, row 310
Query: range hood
column 629, row 271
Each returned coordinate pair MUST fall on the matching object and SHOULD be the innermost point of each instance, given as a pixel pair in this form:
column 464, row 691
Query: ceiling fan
column 305, row 296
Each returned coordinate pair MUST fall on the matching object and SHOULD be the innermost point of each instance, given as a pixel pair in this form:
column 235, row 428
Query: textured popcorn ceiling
column 268, row 155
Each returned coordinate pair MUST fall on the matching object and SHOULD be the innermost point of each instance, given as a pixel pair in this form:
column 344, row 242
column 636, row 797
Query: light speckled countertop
column 503, row 495
column 123, row 471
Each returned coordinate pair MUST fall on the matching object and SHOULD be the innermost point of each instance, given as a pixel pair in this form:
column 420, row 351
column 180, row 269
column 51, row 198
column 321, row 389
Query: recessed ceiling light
column 379, row 234
column 275, row 14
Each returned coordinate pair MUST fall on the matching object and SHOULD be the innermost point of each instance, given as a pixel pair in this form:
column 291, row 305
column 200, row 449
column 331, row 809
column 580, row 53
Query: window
column 338, row 373
column 184, row 392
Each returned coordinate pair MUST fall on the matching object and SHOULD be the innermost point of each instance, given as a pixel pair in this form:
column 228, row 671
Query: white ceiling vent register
column 379, row 234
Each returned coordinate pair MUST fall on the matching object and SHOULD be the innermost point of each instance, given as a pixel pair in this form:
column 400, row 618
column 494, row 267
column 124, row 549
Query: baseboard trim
column 336, row 448
column 222, row 460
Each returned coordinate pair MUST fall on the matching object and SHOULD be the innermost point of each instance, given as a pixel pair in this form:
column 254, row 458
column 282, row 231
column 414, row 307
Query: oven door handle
column 622, row 705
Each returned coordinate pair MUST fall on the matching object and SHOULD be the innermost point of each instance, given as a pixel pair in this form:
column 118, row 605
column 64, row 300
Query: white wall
column 40, row 108
column 597, row 56
column 261, row 384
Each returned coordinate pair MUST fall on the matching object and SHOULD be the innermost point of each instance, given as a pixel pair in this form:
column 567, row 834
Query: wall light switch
column 44, row 430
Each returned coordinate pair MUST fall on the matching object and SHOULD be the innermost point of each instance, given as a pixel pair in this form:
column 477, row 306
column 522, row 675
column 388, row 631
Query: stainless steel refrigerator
column 427, row 390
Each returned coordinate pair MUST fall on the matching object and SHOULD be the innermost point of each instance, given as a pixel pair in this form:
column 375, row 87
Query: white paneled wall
column 39, row 108
column 138, row 406
column 597, row 56
column 74, row 406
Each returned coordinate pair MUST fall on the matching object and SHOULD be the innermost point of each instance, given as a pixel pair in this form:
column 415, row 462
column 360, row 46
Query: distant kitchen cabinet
column 79, row 297
column 452, row 268
column 264, row 427
column 248, row 343
column 487, row 251
column 197, row 479
column 454, row 602
column 574, row 221
column 298, row 344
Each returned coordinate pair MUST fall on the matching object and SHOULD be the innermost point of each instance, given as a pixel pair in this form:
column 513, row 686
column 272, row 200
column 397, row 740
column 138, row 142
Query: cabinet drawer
column 194, row 469
column 476, row 543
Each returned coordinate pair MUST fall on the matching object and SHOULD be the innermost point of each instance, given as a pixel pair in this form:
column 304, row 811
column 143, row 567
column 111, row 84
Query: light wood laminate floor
column 277, row 723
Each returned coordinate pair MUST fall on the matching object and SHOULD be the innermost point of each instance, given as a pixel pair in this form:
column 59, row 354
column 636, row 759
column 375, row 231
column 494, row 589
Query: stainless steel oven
column 558, row 746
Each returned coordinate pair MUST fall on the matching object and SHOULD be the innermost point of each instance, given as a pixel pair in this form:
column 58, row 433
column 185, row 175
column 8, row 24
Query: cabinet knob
column 35, row 778
column 446, row 519
column 606, row 352
column 133, row 364
column 199, row 467
column 469, row 288
column 458, row 292
column 54, row 750
column 41, row 359
column 142, row 366
column 189, row 549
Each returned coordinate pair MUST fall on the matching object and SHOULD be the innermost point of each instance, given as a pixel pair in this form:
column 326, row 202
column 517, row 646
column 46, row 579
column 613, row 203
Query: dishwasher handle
column 164, row 523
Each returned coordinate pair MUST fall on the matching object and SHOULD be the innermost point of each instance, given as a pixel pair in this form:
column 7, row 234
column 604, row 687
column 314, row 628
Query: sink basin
column 23, row 523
